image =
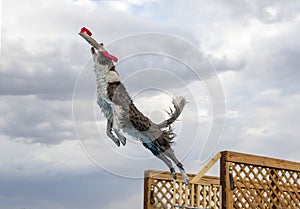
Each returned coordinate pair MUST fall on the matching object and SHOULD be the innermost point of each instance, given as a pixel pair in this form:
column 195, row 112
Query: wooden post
column 146, row 190
column 222, row 180
column 227, row 202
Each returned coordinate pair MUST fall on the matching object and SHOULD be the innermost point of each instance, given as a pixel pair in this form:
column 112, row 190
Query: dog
column 123, row 117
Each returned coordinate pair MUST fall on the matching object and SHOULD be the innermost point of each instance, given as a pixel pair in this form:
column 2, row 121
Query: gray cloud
column 29, row 119
column 49, row 73
column 275, row 60
column 65, row 191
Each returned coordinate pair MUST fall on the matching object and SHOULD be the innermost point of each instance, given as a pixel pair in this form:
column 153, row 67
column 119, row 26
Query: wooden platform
column 245, row 181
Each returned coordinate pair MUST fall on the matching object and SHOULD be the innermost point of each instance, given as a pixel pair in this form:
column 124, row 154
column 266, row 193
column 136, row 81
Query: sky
column 236, row 62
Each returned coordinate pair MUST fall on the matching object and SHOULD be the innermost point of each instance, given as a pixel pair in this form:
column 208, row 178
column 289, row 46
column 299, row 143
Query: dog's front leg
column 109, row 129
column 109, row 133
column 120, row 136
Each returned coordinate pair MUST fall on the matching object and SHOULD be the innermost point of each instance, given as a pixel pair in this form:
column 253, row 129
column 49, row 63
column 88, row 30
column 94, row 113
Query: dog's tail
column 178, row 103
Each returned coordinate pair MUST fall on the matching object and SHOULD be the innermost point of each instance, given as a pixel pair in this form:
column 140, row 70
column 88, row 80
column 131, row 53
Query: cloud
column 72, row 191
column 132, row 201
column 276, row 60
column 33, row 120
column 36, row 160
column 60, row 176
column 264, row 122
column 49, row 73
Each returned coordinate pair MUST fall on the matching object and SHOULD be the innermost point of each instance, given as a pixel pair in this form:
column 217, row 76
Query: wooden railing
column 250, row 181
column 246, row 181
column 162, row 192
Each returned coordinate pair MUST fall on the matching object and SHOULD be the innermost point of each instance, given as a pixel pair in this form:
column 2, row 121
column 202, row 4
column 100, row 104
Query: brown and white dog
column 123, row 117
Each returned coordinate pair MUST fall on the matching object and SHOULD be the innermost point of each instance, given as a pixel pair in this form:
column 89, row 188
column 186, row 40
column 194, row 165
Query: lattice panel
column 164, row 195
column 264, row 187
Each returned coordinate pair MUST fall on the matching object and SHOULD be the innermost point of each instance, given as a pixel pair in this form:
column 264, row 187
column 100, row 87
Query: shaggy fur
column 123, row 117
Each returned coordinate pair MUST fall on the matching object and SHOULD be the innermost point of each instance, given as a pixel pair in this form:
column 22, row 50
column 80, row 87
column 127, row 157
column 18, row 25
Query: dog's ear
column 93, row 51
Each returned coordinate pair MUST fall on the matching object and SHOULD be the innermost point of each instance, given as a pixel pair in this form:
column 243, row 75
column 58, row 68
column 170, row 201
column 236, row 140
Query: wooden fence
column 250, row 181
column 163, row 192
column 246, row 181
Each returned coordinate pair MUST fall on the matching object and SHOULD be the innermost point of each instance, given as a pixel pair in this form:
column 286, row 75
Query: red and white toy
column 87, row 34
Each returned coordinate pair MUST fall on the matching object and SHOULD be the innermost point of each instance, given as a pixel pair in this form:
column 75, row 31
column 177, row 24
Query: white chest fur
column 110, row 110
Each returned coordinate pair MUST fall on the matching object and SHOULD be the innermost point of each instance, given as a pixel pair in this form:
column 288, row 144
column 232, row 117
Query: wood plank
column 223, row 180
column 206, row 168
column 198, row 196
column 186, row 196
column 261, row 161
column 204, row 197
column 180, row 193
column 227, row 201
column 220, row 197
column 146, row 192
column 229, row 195
column 210, row 197
column 215, row 199
column 174, row 192
column 193, row 195
column 163, row 175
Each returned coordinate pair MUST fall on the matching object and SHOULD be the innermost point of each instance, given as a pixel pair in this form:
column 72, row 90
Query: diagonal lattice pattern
column 166, row 193
column 265, row 187
column 246, row 181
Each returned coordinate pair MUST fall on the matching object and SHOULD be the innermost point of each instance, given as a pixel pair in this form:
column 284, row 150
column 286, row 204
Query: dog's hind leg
column 168, row 163
column 170, row 153
column 160, row 155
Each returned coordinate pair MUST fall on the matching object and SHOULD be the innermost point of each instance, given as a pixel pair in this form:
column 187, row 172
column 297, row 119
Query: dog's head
column 105, row 65
column 100, row 59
